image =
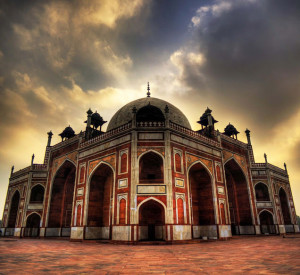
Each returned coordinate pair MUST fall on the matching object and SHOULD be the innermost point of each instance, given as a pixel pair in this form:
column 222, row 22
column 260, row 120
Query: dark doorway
column 150, row 113
column 62, row 199
column 202, row 197
column 289, row 228
column 100, row 197
column 267, row 223
column 37, row 194
column 151, row 168
column 13, row 213
column 238, row 197
column 262, row 192
column 151, row 221
column 32, row 226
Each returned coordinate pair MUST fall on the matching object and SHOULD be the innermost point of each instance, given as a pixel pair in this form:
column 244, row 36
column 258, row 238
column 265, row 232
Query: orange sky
column 240, row 58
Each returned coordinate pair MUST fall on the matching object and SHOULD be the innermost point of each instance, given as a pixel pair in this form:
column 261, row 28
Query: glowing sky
column 239, row 57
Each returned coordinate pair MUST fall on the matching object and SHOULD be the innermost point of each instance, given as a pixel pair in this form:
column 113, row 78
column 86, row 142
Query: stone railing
column 151, row 124
column 39, row 167
column 258, row 165
column 66, row 142
column 193, row 134
column 106, row 135
column 270, row 166
column 276, row 169
column 34, row 167
column 235, row 141
column 21, row 172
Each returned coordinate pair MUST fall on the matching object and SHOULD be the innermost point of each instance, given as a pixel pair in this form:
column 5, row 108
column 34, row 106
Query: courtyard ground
column 250, row 255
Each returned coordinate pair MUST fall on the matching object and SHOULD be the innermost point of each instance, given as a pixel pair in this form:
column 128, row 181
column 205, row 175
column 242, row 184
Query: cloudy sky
column 239, row 57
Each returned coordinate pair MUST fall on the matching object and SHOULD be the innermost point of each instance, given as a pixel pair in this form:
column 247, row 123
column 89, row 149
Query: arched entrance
column 60, row 213
column 262, row 192
column 289, row 228
column 202, row 207
column 239, row 200
column 32, row 225
column 151, row 221
column 151, row 168
column 37, row 194
column 150, row 113
column 99, row 206
column 266, row 223
column 13, row 213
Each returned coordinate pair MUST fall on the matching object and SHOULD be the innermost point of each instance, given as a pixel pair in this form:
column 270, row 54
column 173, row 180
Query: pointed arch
column 202, row 192
column 285, row 208
column 239, row 195
column 151, row 167
column 61, row 196
column 34, row 212
column 33, row 222
column 154, row 199
column 152, row 213
column 206, row 168
column 153, row 151
column 266, row 210
column 262, row 192
column 87, row 194
column 13, row 209
column 37, row 193
column 266, row 220
column 99, row 208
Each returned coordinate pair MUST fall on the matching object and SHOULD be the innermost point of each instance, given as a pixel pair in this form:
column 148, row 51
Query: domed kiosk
column 149, row 177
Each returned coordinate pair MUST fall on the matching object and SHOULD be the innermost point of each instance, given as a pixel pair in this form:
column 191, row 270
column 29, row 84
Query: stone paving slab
column 247, row 255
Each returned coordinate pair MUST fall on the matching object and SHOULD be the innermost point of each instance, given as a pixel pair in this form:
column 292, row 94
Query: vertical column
column 168, row 171
column 134, row 215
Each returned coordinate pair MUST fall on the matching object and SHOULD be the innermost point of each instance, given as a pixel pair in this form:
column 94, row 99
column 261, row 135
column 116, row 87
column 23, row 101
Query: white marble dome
column 124, row 115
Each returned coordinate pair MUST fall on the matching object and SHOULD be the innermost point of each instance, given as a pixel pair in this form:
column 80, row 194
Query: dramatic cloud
column 247, row 57
column 239, row 57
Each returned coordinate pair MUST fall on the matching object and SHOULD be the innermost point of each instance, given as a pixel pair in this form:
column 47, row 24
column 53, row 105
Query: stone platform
column 251, row 255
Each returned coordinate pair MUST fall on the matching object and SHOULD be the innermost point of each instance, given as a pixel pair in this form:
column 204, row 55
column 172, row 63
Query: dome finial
column 148, row 89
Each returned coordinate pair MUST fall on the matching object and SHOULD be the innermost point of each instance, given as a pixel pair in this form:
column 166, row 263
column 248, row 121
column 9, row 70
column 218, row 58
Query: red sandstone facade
column 149, row 177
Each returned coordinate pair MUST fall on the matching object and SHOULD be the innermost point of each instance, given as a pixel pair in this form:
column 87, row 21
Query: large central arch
column 267, row 222
column 151, row 220
column 202, row 205
column 239, row 199
column 32, row 225
column 60, row 212
column 13, row 214
column 99, row 205
column 151, row 168
column 289, row 228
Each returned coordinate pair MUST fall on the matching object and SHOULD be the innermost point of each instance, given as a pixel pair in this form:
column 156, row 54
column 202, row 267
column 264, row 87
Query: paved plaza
column 250, row 255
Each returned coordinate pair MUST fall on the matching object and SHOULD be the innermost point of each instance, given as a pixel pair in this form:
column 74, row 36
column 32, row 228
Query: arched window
column 37, row 194
column 123, row 163
column 151, row 221
column 82, row 170
column 222, row 210
column 219, row 177
column 180, row 209
column 285, row 207
column 122, row 212
column 61, row 201
column 13, row 213
column 202, row 197
column 78, row 216
column 262, row 192
column 238, row 196
column 178, row 162
column 149, row 113
column 151, row 168
column 100, row 197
